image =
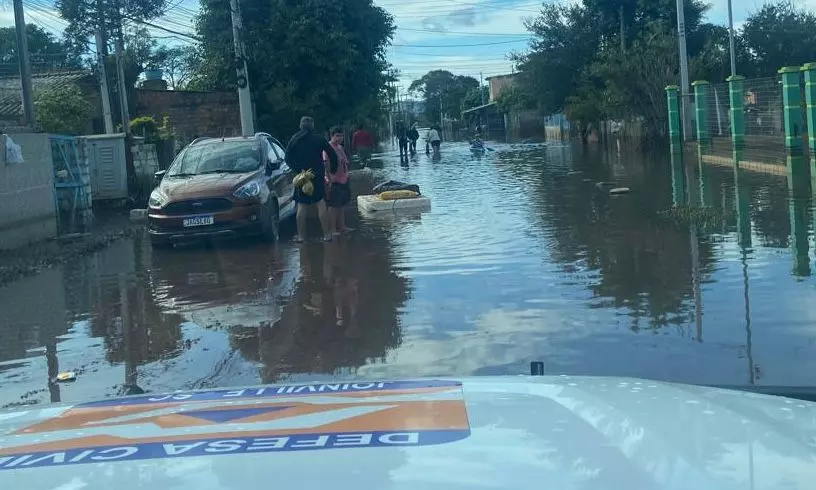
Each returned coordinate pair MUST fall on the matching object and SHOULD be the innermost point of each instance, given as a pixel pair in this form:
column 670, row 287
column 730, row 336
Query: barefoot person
column 305, row 152
column 337, row 183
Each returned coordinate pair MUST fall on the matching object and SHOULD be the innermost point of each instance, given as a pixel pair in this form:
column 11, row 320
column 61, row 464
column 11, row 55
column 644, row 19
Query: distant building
column 499, row 83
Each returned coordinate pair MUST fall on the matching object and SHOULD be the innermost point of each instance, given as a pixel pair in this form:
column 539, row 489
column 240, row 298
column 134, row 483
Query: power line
column 463, row 33
column 171, row 31
column 457, row 45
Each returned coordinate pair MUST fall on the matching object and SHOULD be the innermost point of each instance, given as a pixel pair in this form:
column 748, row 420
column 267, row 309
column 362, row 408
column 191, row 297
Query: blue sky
column 467, row 37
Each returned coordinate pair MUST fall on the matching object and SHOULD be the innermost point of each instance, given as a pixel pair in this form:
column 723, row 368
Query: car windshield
column 221, row 157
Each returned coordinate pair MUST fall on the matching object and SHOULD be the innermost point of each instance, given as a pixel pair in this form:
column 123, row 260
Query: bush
column 62, row 110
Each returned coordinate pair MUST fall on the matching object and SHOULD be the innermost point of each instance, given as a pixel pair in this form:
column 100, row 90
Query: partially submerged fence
column 759, row 124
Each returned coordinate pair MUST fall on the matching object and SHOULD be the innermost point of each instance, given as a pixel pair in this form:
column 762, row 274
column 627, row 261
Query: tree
column 42, row 48
column 779, row 35
column 176, row 64
column 443, row 91
column 84, row 16
column 325, row 58
column 476, row 97
column 64, row 110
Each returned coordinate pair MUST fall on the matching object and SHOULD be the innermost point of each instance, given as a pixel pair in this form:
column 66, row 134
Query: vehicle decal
column 254, row 420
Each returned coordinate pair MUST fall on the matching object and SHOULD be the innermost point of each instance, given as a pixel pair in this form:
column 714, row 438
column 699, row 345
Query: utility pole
column 103, row 81
column 481, row 87
column 25, row 63
column 120, row 74
column 684, row 71
column 244, row 95
column 731, row 39
column 622, row 31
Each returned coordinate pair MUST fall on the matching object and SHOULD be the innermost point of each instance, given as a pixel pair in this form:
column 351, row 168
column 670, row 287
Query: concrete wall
column 27, row 212
column 191, row 114
column 498, row 83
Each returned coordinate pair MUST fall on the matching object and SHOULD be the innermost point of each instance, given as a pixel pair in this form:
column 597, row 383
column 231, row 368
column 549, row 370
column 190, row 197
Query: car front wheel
column 270, row 220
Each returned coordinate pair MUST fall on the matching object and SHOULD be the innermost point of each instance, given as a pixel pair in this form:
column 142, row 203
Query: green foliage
column 63, row 110
column 83, row 18
column 176, row 64
column 778, row 35
column 578, row 64
column 442, row 90
column 150, row 130
column 43, row 48
column 325, row 58
column 514, row 98
column 476, row 97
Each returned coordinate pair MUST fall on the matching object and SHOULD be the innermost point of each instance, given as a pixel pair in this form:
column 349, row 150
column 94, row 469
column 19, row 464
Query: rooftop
column 10, row 98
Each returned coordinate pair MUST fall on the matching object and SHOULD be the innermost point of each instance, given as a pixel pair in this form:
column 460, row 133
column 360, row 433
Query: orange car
column 222, row 187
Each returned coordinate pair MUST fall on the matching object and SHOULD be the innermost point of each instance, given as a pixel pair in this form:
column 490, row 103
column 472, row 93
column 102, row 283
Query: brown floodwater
column 523, row 257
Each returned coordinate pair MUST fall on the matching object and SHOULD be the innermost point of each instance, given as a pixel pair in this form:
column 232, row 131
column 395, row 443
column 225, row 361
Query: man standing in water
column 362, row 141
column 305, row 152
column 401, row 132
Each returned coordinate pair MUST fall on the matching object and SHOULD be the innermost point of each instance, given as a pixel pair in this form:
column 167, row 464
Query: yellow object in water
column 66, row 376
column 394, row 195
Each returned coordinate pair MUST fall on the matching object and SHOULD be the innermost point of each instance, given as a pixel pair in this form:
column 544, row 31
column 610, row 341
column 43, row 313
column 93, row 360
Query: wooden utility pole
column 120, row 73
column 103, row 83
column 244, row 95
column 25, row 64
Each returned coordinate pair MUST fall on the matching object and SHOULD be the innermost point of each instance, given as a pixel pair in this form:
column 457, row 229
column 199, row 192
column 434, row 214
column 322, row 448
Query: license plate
column 198, row 221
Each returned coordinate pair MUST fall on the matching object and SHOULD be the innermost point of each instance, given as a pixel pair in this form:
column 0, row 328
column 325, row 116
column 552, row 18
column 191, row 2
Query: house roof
column 481, row 107
column 11, row 100
column 509, row 75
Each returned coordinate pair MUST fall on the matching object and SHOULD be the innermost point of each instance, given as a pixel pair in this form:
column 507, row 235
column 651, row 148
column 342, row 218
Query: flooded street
column 522, row 258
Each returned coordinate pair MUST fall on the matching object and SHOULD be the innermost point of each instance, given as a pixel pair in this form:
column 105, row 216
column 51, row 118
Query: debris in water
column 620, row 190
column 587, row 181
column 66, row 377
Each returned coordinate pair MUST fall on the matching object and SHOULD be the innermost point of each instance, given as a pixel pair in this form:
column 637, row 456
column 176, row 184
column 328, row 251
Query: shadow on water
column 697, row 275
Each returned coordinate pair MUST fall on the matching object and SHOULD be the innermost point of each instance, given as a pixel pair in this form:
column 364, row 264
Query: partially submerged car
column 493, row 432
column 222, row 187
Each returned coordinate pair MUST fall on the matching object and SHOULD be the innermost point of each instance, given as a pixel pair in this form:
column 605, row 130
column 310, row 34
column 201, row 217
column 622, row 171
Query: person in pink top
column 338, row 191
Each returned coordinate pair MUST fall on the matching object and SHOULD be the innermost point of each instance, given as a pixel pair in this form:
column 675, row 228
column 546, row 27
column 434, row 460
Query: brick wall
column 192, row 114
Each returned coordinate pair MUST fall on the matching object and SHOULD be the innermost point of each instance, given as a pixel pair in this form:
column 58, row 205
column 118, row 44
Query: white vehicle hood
column 508, row 433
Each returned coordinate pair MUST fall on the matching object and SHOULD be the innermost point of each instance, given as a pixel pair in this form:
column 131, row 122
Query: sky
column 466, row 37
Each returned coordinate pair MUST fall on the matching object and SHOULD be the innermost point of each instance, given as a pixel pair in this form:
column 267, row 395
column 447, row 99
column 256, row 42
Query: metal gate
column 72, row 189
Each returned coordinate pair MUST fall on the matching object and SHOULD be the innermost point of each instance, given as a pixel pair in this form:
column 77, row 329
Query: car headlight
column 157, row 199
column 248, row 190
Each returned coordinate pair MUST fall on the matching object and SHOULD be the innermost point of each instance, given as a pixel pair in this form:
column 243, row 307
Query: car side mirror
column 273, row 165
column 158, row 176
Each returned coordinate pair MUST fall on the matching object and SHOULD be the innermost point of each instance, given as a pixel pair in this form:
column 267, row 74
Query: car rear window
column 223, row 156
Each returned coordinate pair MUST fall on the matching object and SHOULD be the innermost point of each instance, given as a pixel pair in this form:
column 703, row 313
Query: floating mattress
column 373, row 203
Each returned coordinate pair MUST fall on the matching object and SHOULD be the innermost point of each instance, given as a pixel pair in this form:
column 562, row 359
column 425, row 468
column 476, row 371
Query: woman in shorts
column 338, row 191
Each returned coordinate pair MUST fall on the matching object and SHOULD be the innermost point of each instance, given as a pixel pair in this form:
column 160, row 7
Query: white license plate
column 198, row 221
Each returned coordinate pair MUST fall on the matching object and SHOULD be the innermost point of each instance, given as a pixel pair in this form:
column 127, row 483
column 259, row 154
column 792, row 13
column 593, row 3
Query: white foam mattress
column 372, row 204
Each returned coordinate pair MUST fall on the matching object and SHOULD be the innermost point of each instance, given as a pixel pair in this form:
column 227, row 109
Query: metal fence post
column 809, row 71
column 701, row 103
column 792, row 102
column 674, row 116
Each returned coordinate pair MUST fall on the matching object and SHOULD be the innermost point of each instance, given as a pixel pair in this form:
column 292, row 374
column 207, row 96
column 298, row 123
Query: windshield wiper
column 225, row 171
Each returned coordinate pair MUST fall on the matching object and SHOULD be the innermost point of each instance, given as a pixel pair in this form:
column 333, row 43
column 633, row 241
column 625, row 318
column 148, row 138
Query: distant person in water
column 413, row 136
column 434, row 138
column 401, row 132
column 362, row 142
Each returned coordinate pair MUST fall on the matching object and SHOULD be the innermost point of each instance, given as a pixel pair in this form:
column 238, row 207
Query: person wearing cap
column 305, row 152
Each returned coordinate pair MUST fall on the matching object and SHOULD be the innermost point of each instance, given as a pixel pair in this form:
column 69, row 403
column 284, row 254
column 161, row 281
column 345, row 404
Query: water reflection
column 701, row 274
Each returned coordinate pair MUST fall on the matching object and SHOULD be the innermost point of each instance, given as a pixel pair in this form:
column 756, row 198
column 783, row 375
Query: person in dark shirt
column 305, row 152
column 413, row 136
column 401, row 132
